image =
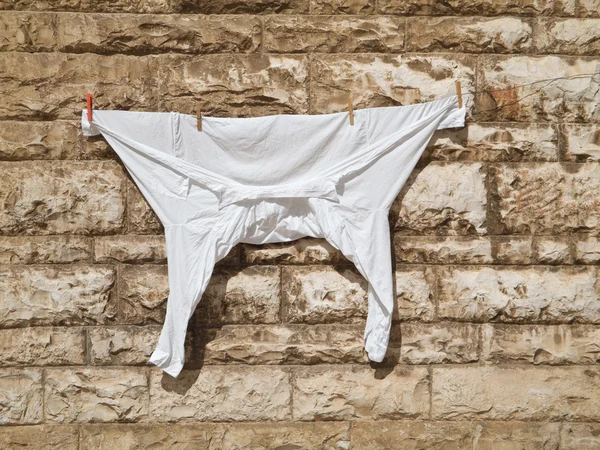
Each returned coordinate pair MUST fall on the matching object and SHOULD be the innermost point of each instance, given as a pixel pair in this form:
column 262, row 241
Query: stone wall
column 497, row 233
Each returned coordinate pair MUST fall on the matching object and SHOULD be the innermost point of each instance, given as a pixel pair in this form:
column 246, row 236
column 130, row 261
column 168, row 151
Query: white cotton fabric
column 272, row 179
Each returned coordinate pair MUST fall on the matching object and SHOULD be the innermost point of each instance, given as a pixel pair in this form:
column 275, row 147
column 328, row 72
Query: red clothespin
column 350, row 111
column 89, row 106
column 459, row 94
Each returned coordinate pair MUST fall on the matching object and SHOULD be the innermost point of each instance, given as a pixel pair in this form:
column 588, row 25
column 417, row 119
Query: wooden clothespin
column 350, row 111
column 89, row 106
column 459, row 94
column 199, row 118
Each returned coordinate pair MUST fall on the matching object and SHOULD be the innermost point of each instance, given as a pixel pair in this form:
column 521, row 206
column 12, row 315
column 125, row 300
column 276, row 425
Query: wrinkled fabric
column 272, row 179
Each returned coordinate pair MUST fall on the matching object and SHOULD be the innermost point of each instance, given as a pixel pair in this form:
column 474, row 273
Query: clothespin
column 350, row 111
column 89, row 106
column 459, row 94
column 199, row 118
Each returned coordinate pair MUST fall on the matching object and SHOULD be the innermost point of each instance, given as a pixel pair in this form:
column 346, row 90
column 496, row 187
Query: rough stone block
column 56, row 197
column 342, row 6
column 149, row 33
column 52, row 86
column 213, row 436
column 355, row 392
column 130, row 249
column 287, row 344
column 582, row 142
column 40, row 437
column 511, row 88
column 587, row 250
column 415, row 292
column 237, row 7
column 490, row 435
column 478, row 7
column 26, row 32
column 567, row 36
column 386, row 80
column 442, row 250
column 41, row 346
column 235, row 85
column 481, row 392
column 513, row 249
column 21, row 397
column 410, row 434
column 443, row 199
column 301, row 251
column 45, row 249
column 439, row 343
column 141, row 218
column 541, row 344
column 333, row 34
column 520, row 295
column 546, row 199
column 214, row 393
column 580, row 436
column 552, row 250
column 96, row 395
column 320, row 294
column 56, row 295
column 472, row 34
column 38, row 140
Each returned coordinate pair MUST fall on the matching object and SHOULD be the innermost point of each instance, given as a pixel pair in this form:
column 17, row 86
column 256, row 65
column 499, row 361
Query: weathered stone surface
column 582, row 142
column 478, row 7
column 356, row 392
column 443, row 199
column 236, row 295
column 301, row 251
column 522, row 435
column 213, row 436
column 56, row 197
column 342, row 6
column 38, row 140
column 542, row 344
column 454, row 435
column 236, row 7
column 588, row 8
column 44, row 249
column 40, row 346
column 143, row 292
column 27, row 32
column 52, row 86
column 141, row 218
column 520, row 295
column 547, row 199
column 439, row 343
column 214, row 394
column 142, row 6
column 442, row 250
column 40, row 437
column 235, row 85
column 552, row 250
column 21, row 397
column 148, row 33
column 567, row 36
column 511, row 88
column 472, row 34
column 580, row 436
column 318, row 294
column 415, row 289
column 287, row 344
column 130, row 249
column 495, row 142
column 587, row 251
column 96, row 395
column 512, row 249
column 241, row 295
column 481, row 392
column 386, row 80
column 123, row 345
column 333, row 34
column 56, row 295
